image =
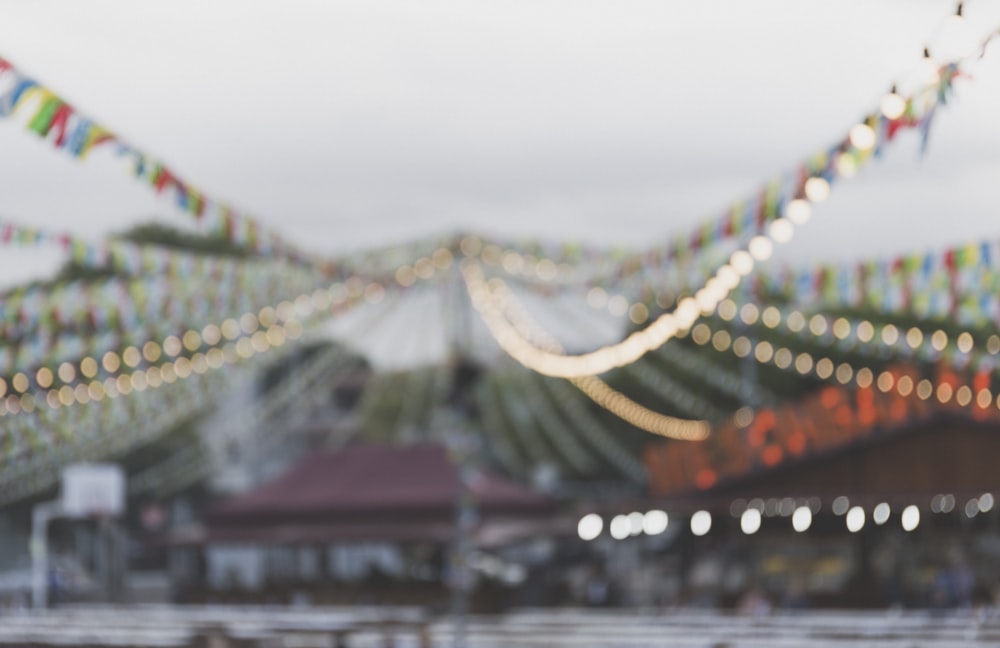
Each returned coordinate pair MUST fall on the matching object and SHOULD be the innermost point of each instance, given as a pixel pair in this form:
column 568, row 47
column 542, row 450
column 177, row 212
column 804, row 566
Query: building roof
column 376, row 481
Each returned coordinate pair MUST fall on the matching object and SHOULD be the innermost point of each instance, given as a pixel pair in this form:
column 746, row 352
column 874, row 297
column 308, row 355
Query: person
column 954, row 584
column 754, row 603
column 796, row 597
column 598, row 589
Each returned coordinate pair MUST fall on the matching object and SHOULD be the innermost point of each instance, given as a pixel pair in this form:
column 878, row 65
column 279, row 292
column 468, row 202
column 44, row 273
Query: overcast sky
column 356, row 123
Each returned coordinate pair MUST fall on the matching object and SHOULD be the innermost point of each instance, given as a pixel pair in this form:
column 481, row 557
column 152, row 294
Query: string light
column 596, row 389
column 893, row 105
column 862, row 137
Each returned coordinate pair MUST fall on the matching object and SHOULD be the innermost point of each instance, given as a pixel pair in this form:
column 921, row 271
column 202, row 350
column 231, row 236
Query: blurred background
column 487, row 324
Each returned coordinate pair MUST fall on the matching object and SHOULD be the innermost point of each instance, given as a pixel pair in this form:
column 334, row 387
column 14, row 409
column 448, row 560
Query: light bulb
column 930, row 72
column 817, row 189
column 893, row 105
column 846, row 166
column 862, row 137
column 798, row 211
column 781, row 230
column 742, row 262
column 760, row 248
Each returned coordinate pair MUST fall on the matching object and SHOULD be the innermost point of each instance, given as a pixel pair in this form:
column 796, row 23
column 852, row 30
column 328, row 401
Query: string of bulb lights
column 862, row 139
column 845, row 373
column 24, row 401
column 31, row 475
column 318, row 375
column 212, row 346
column 911, row 342
column 339, row 295
column 495, row 297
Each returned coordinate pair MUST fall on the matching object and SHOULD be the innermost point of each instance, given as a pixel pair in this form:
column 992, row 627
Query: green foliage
column 170, row 237
column 158, row 235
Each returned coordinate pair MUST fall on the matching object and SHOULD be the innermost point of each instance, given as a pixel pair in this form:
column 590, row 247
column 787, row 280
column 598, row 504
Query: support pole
column 41, row 515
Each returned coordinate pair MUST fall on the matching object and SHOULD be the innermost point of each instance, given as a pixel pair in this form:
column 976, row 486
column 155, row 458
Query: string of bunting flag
column 59, row 122
column 94, row 320
column 45, row 326
column 811, row 185
column 754, row 215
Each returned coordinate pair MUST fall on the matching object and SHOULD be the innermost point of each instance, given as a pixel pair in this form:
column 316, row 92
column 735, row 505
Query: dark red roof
column 376, row 480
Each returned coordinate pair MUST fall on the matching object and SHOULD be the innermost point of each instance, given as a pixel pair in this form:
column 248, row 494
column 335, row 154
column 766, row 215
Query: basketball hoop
column 93, row 490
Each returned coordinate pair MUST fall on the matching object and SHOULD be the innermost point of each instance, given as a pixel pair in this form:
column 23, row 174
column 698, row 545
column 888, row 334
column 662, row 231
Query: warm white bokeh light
column 798, row 211
column 620, row 527
column 862, row 137
column 750, row 521
column 910, row 518
column 655, row 522
column 802, row 519
column 817, row 189
column 590, row 526
column 855, row 519
column 893, row 105
column 701, row 523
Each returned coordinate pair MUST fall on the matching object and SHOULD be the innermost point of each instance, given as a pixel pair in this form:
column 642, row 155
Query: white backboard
column 93, row 489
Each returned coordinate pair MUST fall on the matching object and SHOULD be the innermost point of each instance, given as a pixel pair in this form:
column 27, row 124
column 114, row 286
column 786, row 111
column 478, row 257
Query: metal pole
column 41, row 514
column 460, row 568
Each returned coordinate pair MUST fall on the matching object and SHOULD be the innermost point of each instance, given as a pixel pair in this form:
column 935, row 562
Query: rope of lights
column 895, row 111
column 352, row 289
column 727, row 381
column 598, row 437
column 123, row 300
column 247, row 428
column 29, row 475
column 27, row 311
column 861, row 142
column 211, row 346
column 319, row 374
column 101, row 414
column 154, row 315
column 908, row 342
column 46, row 476
column 650, row 377
column 598, row 391
column 686, row 312
column 83, row 388
column 95, row 446
column 846, row 373
column 947, row 285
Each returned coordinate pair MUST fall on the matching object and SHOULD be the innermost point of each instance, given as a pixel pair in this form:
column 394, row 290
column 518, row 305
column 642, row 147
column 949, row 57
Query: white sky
column 363, row 122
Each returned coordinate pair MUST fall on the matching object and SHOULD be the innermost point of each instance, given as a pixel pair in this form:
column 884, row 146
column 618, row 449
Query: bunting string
column 67, row 129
